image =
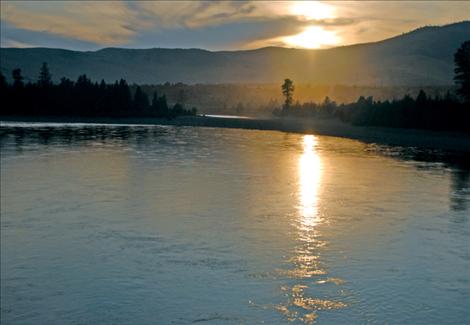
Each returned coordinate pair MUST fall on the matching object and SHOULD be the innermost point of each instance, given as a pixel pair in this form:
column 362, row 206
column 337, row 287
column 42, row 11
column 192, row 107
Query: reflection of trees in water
column 78, row 135
column 459, row 166
column 458, row 163
column 460, row 190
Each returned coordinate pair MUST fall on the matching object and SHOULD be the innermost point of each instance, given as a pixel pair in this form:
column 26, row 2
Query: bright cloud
column 311, row 9
column 313, row 37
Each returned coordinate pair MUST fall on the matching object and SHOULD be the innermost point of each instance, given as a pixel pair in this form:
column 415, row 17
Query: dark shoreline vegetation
column 82, row 98
column 423, row 112
column 448, row 113
column 87, row 99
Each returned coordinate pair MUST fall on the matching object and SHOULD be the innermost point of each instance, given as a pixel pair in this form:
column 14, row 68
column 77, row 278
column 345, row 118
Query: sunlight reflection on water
column 309, row 180
column 301, row 305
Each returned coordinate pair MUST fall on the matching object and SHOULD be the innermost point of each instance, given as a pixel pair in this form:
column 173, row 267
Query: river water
column 180, row 225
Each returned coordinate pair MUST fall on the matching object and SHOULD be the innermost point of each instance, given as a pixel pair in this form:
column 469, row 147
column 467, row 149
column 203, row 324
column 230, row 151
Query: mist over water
column 180, row 225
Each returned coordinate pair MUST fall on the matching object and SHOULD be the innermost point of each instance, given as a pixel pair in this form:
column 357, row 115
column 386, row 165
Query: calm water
column 181, row 225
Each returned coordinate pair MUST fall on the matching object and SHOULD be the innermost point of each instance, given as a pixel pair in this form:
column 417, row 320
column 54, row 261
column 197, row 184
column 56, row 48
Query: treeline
column 449, row 112
column 81, row 98
column 421, row 112
column 260, row 99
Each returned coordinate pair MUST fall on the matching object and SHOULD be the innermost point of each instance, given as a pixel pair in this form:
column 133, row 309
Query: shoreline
column 381, row 135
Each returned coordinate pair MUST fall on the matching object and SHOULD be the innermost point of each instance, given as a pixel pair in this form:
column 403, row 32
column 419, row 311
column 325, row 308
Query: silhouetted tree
column 3, row 83
column 423, row 112
column 421, row 98
column 462, row 70
column 154, row 102
column 182, row 97
column 159, row 105
column 4, row 93
column 80, row 98
column 163, row 106
column 45, row 77
column 17, row 78
column 177, row 110
column 288, row 91
column 141, row 101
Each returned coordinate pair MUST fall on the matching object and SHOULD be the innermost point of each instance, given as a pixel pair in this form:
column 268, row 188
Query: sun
column 313, row 37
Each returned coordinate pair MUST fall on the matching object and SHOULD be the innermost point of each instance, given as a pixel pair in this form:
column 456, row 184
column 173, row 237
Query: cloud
column 12, row 43
column 17, row 37
column 121, row 23
column 117, row 23
column 377, row 20
column 270, row 22
column 196, row 14
column 104, row 22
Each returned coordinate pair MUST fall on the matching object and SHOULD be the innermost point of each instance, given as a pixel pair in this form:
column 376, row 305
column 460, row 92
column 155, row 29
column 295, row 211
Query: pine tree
column 462, row 70
column 45, row 77
column 17, row 78
column 287, row 91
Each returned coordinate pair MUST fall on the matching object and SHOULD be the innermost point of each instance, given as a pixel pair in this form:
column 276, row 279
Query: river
column 141, row 224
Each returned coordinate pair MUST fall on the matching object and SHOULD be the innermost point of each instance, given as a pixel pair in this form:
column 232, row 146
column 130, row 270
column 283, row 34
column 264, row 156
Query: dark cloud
column 245, row 10
column 334, row 22
column 129, row 28
column 17, row 36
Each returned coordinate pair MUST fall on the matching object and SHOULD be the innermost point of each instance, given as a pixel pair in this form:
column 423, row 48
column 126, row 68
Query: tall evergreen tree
column 17, row 78
column 45, row 77
column 288, row 91
column 141, row 101
column 462, row 70
column 3, row 82
column 154, row 100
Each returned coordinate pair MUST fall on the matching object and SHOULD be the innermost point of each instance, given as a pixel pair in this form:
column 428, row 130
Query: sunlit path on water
column 310, row 170
column 302, row 304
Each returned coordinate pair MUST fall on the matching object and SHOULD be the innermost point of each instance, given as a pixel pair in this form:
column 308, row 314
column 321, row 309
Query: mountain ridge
column 420, row 57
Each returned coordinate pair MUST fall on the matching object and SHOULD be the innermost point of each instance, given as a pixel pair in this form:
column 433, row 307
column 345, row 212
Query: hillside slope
column 421, row 57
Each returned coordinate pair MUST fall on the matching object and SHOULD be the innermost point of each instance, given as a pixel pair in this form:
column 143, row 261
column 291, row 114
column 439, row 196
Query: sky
column 214, row 25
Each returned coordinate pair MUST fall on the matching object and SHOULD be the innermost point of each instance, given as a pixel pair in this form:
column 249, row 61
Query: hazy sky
column 87, row 25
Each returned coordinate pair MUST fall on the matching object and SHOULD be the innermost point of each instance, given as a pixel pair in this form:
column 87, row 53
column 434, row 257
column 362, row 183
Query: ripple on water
column 127, row 224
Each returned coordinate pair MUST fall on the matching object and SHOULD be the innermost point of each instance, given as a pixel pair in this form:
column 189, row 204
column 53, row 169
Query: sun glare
column 311, row 10
column 313, row 37
column 310, row 172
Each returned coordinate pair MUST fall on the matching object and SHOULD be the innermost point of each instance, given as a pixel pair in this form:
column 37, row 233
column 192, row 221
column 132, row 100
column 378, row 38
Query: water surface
column 181, row 225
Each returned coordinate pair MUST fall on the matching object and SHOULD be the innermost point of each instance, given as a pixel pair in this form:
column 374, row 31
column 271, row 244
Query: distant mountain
column 421, row 57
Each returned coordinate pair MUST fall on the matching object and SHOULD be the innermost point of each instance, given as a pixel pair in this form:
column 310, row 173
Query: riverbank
column 379, row 135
